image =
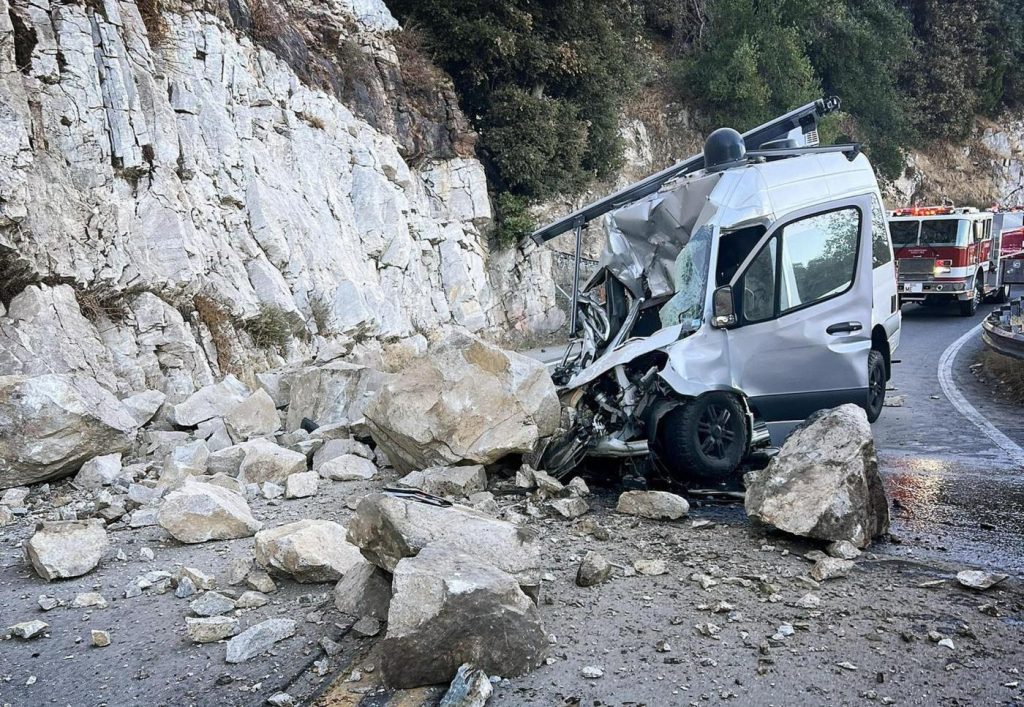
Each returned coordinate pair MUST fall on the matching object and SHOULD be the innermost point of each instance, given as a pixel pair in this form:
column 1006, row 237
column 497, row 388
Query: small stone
column 843, row 550
column 809, row 601
column 258, row 639
column 252, row 600
column 210, row 629
column 186, row 588
column 260, row 581
column 830, row 568
column 947, row 643
column 578, row 487
column 569, row 508
column 594, row 569
column 846, row 665
column 281, row 699
column 469, row 688
column 654, row 505
column 211, row 604
column 270, row 490
column 784, row 631
column 662, row 646
column 650, row 568
column 48, row 603
column 591, row 672
column 100, row 639
column 28, row 629
column 976, row 579
column 199, row 578
column 146, row 554
column 302, row 485
column 366, row 627
column 89, row 600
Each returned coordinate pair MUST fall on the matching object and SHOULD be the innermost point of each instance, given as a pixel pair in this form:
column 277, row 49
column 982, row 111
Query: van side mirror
column 723, row 308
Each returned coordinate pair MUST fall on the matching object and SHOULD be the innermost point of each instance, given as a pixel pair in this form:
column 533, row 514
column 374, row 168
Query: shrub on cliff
column 542, row 82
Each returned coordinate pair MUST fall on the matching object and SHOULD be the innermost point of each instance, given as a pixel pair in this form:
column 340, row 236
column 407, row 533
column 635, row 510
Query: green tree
column 543, row 83
column 750, row 66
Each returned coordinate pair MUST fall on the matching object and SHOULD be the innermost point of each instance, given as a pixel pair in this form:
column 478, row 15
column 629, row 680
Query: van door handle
column 844, row 328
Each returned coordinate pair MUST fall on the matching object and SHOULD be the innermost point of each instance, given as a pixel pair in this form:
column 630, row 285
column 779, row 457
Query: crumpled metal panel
column 645, row 238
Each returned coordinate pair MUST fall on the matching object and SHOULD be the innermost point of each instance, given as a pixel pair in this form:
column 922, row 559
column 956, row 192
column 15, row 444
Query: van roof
column 763, row 192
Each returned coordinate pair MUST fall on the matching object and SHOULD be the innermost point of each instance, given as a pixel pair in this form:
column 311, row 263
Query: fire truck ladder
column 758, row 145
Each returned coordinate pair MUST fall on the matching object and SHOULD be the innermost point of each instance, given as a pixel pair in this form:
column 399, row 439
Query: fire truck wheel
column 876, row 385
column 1002, row 295
column 969, row 307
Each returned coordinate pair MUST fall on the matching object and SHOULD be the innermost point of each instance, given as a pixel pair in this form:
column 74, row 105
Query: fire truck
column 946, row 254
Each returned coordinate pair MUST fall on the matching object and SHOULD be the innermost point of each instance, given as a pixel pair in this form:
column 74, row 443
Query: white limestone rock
column 64, row 549
column 307, row 550
column 302, row 485
column 348, row 467
column 211, row 401
column 52, row 424
column 256, row 416
column 198, row 512
column 465, row 401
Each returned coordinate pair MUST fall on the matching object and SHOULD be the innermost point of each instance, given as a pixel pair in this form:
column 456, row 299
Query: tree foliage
column 545, row 82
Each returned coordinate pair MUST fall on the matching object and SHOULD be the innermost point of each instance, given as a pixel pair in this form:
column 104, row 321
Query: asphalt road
column 957, row 494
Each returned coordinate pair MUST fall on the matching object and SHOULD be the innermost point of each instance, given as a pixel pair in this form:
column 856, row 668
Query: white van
column 733, row 300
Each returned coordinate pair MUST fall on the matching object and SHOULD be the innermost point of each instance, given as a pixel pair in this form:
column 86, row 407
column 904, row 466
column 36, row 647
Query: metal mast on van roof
column 805, row 119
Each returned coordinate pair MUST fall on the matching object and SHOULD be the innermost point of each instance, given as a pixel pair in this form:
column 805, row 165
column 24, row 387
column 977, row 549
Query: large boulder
column 308, row 551
column 52, row 424
column 465, row 401
column 211, row 401
column 389, row 529
column 331, row 394
column 63, row 549
column 453, row 482
column 198, row 512
column 264, row 461
column 449, row 608
column 824, row 483
column 256, row 416
column 365, row 590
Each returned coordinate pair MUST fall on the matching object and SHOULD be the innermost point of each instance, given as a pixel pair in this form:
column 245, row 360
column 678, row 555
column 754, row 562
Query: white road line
column 958, row 401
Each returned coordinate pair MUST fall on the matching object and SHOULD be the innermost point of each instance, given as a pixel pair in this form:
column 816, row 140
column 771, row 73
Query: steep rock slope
column 197, row 188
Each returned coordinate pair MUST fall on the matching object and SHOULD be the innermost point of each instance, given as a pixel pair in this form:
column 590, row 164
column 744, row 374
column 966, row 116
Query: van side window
column 757, row 286
column 881, row 253
column 819, row 257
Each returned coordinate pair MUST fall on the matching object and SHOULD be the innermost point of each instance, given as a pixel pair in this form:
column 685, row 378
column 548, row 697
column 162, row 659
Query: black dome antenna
column 723, row 149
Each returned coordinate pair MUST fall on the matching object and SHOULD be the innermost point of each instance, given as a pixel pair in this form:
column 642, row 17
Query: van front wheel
column 706, row 438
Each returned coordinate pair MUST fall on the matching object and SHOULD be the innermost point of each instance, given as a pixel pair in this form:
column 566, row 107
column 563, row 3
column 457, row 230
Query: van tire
column 969, row 307
column 876, row 385
column 706, row 439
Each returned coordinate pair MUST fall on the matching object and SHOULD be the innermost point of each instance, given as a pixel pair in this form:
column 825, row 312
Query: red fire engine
column 946, row 254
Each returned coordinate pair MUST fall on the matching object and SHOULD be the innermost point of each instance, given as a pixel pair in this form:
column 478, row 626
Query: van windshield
column 690, row 276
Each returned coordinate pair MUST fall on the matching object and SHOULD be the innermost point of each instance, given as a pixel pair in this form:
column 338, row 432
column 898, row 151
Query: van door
column 804, row 306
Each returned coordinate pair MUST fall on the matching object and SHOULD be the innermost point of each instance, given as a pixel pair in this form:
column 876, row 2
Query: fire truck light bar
column 924, row 211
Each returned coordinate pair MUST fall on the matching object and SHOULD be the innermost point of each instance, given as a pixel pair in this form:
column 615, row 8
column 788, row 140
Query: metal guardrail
column 1003, row 330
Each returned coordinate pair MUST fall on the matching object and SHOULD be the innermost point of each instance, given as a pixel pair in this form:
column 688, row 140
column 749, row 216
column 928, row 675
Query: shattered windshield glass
column 690, row 277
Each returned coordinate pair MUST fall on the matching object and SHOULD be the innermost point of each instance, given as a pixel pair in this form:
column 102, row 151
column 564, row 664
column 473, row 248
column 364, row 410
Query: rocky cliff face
column 194, row 188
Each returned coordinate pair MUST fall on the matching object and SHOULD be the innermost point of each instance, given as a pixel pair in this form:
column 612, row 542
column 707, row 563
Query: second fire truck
column 948, row 254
